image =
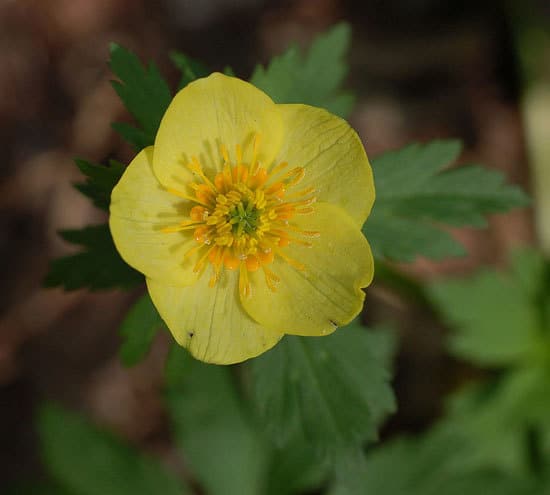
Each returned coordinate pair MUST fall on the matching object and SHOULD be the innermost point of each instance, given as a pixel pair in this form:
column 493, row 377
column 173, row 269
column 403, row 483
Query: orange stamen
column 252, row 263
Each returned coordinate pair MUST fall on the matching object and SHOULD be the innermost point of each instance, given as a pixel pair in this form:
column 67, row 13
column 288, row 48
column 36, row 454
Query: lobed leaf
column 138, row 138
column 403, row 239
column 100, row 181
column 314, row 78
column 190, row 69
column 425, row 467
column 500, row 320
column 493, row 314
column 417, row 199
column 98, row 266
column 88, row 461
column 144, row 93
column 334, row 390
column 495, row 420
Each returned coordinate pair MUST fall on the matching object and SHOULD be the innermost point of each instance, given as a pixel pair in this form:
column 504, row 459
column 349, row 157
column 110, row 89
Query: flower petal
column 210, row 321
column 327, row 293
column 333, row 156
column 140, row 208
column 210, row 112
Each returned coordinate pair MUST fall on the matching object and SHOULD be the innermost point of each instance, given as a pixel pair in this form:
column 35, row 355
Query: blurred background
column 421, row 69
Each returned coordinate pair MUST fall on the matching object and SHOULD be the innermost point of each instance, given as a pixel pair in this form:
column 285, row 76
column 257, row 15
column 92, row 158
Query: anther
column 294, row 176
column 252, row 263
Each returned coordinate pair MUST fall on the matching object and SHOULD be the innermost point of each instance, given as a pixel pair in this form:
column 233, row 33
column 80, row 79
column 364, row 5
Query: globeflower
column 245, row 218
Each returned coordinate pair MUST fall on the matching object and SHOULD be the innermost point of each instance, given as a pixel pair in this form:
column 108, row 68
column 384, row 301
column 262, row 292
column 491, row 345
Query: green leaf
column 98, row 266
column 334, row 390
column 218, row 439
column 499, row 320
column 296, row 468
column 88, row 461
column 314, row 78
column 493, row 314
column 190, row 69
column 403, row 239
column 176, row 368
column 416, row 198
column 422, row 466
column 100, row 181
column 482, row 414
column 142, row 90
column 138, row 138
column 406, row 467
column 494, row 421
column 532, row 272
column 138, row 331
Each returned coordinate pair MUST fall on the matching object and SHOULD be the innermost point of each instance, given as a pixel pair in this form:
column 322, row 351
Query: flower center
column 244, row 217
column 242, row 220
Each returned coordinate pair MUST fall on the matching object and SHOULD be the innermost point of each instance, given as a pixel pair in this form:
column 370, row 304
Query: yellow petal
column 140, row 208
column 210, row 321
column 210, row 112
column 327, row 293
column 333, row 156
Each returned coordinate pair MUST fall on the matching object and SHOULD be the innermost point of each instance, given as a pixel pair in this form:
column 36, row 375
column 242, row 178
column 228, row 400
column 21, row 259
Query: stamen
column 244, row 173
column 204, row 194
column 259, row 178
column 252, row 263
column 193, row 250
column 266, row 257
column 244, row 284
column 227, row 175
column 270, row 279
column 219, row 182
column 255, row 147
column 285, row 212
column 216, row 260
column 306, row 233
column 278, row 168
column 225, row 154
column 294, row 240
column 198, row 213
column 291, row 261
column 284, row 239
column 180, row 194
column 196, row 167
column 294, row 176
column 178, row 228
column 277, row 189
column 200, row 264
column 239, row 153
column 230, row 261
column 303, row 192
column 303, row 202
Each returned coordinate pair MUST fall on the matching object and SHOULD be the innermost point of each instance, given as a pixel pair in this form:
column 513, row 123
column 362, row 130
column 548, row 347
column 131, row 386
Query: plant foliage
column 418, row 198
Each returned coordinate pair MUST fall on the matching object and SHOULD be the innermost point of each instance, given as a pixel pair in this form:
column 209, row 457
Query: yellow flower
column 245, row 218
